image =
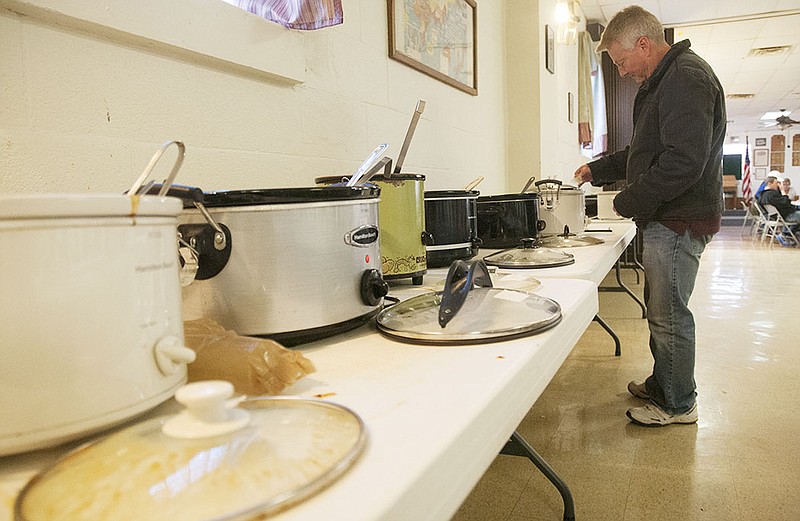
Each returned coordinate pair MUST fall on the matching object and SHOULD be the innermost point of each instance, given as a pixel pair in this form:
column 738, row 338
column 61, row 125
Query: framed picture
column 760, row 157
column 437, row 38
column 761, row 141
column 760, row 173
column 549, row 49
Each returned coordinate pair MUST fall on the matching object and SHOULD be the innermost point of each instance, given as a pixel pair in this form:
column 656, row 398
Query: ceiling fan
column 783, row 121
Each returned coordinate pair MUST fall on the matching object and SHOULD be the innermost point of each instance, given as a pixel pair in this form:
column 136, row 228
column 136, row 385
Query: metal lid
column 529, row 256
column 256, row 458
column 48, row 206
column 312, row 194
column 462, row 313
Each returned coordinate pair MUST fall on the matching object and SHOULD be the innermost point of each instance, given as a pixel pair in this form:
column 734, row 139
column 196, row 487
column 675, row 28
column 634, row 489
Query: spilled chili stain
column 134, row 207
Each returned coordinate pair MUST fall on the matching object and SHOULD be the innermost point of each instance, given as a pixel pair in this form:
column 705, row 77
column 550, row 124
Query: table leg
column 622, row 287
column 517, row 446
column 617, row 344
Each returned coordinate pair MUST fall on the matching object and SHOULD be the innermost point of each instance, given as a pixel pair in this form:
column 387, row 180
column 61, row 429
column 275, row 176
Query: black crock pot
column 504, row 220
column 451, row 218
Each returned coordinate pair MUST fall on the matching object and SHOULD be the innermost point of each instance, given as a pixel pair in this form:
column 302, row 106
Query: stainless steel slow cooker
column 562, row 208
column 293, row 264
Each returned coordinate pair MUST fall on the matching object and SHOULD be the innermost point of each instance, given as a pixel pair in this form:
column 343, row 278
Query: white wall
column 82, row 112
column 542, row 141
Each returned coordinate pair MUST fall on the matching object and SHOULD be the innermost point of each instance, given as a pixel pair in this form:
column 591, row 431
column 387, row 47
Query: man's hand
column 583, row 175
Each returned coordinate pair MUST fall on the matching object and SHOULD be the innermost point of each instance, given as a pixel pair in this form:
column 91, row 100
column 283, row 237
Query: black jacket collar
column 673, row 52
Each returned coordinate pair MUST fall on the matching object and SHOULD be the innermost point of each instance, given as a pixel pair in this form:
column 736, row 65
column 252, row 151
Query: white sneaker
column 638, row 390
column 651, row 415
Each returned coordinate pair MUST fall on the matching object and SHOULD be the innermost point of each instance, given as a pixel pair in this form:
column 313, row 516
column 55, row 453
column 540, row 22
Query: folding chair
column 750, row 214
column 760, row 220
column 777, row 229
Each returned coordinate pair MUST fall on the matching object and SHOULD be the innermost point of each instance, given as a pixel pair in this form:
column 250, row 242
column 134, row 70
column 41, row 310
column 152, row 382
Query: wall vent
column 770, row 51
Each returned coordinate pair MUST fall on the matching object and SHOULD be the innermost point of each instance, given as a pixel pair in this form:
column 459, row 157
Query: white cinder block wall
column 82, row 113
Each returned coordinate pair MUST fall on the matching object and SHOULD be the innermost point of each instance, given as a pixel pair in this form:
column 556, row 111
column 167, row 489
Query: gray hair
column 628, row 25
column 770, row 179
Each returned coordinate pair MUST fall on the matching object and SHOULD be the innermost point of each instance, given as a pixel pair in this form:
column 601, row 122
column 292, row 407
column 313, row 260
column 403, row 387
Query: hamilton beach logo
column 362, row 236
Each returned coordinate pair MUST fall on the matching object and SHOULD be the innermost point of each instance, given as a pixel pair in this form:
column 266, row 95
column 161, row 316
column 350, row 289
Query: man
column 772, row 195
column 674, row 194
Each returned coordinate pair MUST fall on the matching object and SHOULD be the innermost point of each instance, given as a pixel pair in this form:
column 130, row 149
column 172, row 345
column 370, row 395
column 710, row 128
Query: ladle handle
column 528, row 184
column 475, row 182
column 409, row 134
column 368, row 162
column 384, row 164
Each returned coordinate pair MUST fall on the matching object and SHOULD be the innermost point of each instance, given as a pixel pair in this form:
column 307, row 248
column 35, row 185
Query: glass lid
column 568, row 241
column 529, row 256
column 215, row 460
column 479, row 314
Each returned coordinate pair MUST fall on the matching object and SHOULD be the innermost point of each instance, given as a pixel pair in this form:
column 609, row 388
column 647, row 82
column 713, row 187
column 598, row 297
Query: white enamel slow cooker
column 91, row 332
column 562, row 208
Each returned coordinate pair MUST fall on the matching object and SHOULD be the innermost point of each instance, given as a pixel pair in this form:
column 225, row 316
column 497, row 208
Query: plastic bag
column 255, row 366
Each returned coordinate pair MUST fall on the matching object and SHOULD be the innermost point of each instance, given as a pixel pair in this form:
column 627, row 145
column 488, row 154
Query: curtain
column 592, row 125
column 296, row 14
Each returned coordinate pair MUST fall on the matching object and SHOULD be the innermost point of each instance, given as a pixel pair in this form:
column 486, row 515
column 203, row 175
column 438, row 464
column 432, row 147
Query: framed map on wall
column 437, row 37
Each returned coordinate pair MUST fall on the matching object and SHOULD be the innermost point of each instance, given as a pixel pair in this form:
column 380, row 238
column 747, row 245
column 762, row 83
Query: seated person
column 787, row 190
column 760, row 190
column 772, row 195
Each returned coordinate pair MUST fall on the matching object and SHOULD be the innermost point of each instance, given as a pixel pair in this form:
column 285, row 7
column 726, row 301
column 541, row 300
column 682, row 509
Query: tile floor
column 741, row 462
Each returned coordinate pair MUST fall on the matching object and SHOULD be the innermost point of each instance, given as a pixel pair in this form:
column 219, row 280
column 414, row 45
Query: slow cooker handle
column 194, row 196
column 202, row 239
column 461, row 278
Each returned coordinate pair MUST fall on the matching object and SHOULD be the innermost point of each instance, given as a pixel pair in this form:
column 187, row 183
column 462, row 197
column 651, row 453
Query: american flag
column 746, row 194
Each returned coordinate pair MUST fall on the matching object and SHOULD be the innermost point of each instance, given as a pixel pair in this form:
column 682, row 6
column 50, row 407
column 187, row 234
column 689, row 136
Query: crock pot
column 504, row 220
column 296, row 264
column 562, row 208
column 451, row 219
column 92, row 331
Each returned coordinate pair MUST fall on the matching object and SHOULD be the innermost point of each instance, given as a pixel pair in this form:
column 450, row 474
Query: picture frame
column 761, row 141
column 454, row 58
column 760, row 173
column 760, row 157
column 549, row 49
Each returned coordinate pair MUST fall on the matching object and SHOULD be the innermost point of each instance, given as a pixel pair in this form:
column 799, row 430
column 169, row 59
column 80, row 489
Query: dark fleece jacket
column 674, row 162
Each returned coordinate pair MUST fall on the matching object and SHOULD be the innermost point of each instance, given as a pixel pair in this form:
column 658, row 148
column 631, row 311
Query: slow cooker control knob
column 373, row 287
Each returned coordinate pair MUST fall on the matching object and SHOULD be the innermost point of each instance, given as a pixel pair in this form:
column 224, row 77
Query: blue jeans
column 670, row 264
column 793, row 217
